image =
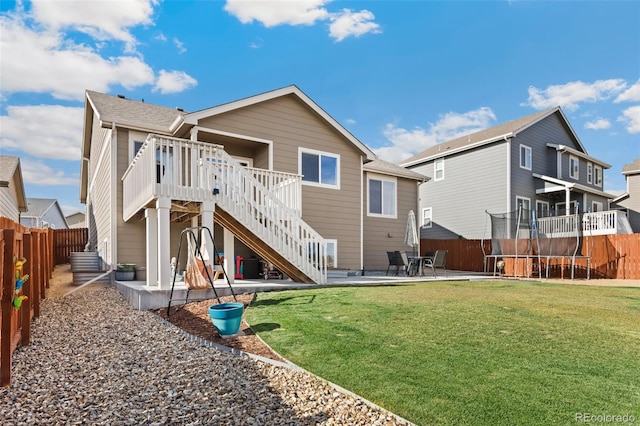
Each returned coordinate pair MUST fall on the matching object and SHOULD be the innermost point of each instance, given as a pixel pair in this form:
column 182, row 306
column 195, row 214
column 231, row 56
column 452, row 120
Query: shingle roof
column 492, row 133
column 36, row 207
column 121, row 110
column 631, row 169
column 387, row 168
column 8, row 166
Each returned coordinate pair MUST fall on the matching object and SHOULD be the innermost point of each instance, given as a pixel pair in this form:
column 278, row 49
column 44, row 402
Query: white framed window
column 542, row 208
column 438, row 169
column 597, row 172
column 561, row 208
column 523, row 202
column 596, row 206
column 574, row 167
column 525, row 157
column 332, row 252
column 319, row 168
column 589, row 172
column 427, row 217
column 382, row 196
column 136, row 140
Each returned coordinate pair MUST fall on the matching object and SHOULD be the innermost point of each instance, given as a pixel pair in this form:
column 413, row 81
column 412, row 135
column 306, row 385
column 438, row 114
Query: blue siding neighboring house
column 536, row 161
column 43, row 213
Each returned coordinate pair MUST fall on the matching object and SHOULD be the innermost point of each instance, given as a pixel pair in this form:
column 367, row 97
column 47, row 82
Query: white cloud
column 632, row 94
column 40, row 61
column 406, row 143
column 571, row 95
column 349, row 23
column 273, row 13
column 173, row 82
column 303, row 12
column 100, row 19
column 350, row 121
column 598, row 124
column 45, row 131
column 631, row 116
column 179, row 45
column 38, row 173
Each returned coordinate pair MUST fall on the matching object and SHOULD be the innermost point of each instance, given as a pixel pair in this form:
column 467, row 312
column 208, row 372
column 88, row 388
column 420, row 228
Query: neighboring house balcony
column 595, row 223
column 262, row 208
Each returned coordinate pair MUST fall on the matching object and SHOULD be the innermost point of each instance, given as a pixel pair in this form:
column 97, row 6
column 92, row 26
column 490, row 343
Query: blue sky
column 400, row 75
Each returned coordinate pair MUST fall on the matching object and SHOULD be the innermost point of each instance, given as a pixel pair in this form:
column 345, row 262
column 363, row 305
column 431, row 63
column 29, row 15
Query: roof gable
column 391, row 169
column 632, row 169
column 493, row 134
column 10, row 171
column 195, row 117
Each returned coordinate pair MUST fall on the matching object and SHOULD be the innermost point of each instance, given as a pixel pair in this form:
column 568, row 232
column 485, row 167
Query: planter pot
column 226, row 317
column 125, row 276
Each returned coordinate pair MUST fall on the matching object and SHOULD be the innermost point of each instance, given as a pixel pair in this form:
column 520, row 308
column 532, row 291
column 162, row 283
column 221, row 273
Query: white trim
column 424, row 210
column 597, row 203
column 544, row 203
column 528, row 151
column 574, row 172
column 335, row 251
column 573, row 204
column 362, row 214
column 520, row 198
column 135, row 136
column 435, row 169
column 597, row 168
column 230, row 134
column 564, row 185
column 382, row 179
column 113, row 213
column 508, row 162
column 583, row 155
column 303, row 150
column 589, row 172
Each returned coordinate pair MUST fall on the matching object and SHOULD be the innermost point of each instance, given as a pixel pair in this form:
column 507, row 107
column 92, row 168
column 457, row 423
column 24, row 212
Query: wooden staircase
column 262, row 249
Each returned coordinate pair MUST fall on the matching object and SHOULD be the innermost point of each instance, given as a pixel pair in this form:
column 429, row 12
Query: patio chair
column 437, row 261
column 398, row 259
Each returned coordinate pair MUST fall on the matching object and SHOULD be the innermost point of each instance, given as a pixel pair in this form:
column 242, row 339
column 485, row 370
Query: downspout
column 362, row 178
column 114, row 198
column 508, row 141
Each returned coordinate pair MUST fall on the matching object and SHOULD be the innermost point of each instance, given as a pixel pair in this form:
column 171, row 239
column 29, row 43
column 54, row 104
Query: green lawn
column 478, row 353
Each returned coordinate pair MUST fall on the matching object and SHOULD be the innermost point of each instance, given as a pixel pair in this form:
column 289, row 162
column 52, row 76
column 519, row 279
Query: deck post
column 151, row 216
column 163, row 206
column 229, row 254
column 206, row 214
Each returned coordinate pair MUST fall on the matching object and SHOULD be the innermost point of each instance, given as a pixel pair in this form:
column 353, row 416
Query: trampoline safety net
column 519, row 233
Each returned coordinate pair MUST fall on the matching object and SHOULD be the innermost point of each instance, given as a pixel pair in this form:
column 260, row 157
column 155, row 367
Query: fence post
column 7, row 307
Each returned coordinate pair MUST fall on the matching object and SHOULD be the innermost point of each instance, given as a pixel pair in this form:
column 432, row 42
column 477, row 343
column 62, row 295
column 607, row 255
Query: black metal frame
column 198, row 252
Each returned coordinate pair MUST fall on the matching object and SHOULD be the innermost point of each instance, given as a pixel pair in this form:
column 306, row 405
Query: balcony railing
column 595, row 223
column 265, row 202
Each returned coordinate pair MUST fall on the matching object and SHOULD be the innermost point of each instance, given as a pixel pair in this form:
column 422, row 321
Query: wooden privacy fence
column 16, row 243
column 611, row 256
column 67, row 241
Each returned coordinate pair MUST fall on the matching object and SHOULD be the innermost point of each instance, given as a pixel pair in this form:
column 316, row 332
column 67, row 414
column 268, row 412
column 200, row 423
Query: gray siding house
column 629, row 202
column 44, row 213
column 535, row 161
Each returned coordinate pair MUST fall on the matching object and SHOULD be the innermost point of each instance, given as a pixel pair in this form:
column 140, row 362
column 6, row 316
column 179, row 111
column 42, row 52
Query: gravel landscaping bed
column 95, row 360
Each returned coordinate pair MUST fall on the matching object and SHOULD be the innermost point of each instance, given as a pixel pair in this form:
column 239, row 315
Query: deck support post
column 229, row 254
column 206, row 214
column 163, row 206
column 151, row 219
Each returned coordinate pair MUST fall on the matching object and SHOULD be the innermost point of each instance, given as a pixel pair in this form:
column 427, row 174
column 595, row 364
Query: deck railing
column 268, row 203
column 594, row 223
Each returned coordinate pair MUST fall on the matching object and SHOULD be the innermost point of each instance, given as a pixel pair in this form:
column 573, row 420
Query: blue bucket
column 226, row 317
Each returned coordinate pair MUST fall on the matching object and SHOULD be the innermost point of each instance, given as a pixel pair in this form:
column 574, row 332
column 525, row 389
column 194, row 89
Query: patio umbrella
column 411, row 234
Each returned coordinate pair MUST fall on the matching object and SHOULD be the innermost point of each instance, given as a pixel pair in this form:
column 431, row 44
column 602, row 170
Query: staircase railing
column 267, row 203
column 264, row 214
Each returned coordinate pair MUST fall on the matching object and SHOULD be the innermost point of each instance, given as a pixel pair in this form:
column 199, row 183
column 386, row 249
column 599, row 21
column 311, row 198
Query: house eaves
column 620, row 197
column 631, row 169
column 11, row 171
column 563, row 184
column 391, row 169
column 493, row 134
column 564, row 148
column 194, row 117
